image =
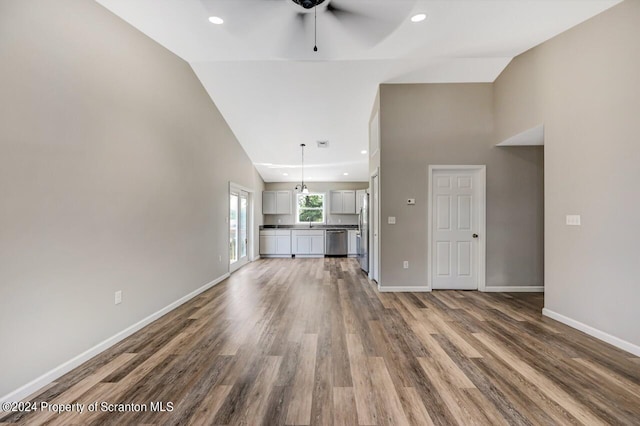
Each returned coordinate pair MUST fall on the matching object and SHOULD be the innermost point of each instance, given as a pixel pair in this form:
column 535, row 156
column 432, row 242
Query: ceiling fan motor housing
column 308, row 4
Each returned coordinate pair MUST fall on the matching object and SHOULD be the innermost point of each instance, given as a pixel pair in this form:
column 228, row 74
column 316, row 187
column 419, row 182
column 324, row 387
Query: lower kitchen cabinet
column 308, row 242
column 275, row 242
column 353, row 243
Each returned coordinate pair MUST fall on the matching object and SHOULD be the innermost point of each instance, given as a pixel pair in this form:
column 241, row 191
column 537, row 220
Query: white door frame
column 482, row 225
column 374, row 255
column 250, row 222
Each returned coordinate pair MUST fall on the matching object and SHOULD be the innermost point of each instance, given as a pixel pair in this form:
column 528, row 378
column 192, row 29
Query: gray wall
column 323, row 187
column 423, row 124
column 585, row 86
column 114, row 171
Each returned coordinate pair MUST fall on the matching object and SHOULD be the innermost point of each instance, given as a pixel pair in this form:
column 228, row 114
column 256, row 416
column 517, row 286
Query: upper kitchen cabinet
column 343, row 202
column 276, row 202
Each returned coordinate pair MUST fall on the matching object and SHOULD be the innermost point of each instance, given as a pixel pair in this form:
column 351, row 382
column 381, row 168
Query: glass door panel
column 242, row 225
column 233, row 228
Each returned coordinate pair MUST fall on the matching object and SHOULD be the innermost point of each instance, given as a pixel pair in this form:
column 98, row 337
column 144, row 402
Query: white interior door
column 374, row 255
column 457, row 211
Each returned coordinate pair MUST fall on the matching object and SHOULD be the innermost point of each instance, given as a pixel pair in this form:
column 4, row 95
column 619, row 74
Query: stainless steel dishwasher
column 336, row 242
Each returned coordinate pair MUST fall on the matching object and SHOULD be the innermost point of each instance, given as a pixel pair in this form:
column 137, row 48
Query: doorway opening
column 240, row 218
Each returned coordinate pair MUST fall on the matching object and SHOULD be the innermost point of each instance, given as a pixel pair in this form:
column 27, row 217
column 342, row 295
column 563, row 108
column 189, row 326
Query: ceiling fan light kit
column 308, row 4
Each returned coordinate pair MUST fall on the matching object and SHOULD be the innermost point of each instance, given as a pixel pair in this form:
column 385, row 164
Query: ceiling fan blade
column 340, row 11
column 294, row 35
column 368, row 22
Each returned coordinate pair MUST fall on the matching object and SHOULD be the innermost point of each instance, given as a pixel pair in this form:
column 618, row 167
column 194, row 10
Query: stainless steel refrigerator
column 363, row 233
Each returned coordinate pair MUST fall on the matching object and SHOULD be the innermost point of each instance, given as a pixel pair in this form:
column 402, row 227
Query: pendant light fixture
column 301, row 186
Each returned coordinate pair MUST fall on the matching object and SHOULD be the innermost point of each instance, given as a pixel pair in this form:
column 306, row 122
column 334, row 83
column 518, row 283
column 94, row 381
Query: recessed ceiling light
column 285, row 174
column 364, row 151
column 346, row 174
column 216, row 20
column 419, row 17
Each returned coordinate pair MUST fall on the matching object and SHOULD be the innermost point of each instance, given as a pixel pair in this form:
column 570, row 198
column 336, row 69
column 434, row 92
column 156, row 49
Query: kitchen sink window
column 310, row 208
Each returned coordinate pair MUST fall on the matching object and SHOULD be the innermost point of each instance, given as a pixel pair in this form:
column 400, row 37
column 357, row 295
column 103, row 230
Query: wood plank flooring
column 312, row 341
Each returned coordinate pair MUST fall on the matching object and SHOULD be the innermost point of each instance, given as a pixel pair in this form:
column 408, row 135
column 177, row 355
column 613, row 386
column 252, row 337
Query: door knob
column 475, row 235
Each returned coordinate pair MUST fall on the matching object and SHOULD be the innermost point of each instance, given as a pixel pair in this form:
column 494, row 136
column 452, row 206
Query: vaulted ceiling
column 276, row 92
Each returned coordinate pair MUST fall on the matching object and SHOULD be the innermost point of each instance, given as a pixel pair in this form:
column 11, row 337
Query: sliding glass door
column 238, row 228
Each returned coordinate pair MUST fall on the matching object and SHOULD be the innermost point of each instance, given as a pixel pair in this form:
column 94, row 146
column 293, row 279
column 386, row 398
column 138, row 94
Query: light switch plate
column 392, row 220
column 573, row 219
column 411, row 201
column 118, row 297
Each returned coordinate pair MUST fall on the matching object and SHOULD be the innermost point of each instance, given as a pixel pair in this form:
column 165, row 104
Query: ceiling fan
column 287, row 28
column 338, row 11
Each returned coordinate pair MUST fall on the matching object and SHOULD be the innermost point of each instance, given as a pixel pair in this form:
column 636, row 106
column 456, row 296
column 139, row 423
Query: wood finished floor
column 313, row 342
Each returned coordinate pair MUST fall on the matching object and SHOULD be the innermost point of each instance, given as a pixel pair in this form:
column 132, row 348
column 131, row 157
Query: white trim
column 594, row 332
column 51, row 375
column 376, row 254
column 482, row 224
column 514, row 289
column 403, row 289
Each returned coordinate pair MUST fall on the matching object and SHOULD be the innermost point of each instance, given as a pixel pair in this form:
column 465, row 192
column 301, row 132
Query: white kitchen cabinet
column 335, row 202
column 276, row 202
column 275, row 242
column 267, row 244
column 268, row 202
column 343, row 202
column 308, row 242
column 283, row 242
column 352, row 247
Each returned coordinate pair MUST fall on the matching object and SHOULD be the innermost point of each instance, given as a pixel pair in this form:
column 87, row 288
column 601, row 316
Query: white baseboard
column 594, row 332
column 513, row 289
column 403, row 289
column 48, row 377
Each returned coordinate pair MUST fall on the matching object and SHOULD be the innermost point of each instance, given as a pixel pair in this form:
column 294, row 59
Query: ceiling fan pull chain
column 315, row 28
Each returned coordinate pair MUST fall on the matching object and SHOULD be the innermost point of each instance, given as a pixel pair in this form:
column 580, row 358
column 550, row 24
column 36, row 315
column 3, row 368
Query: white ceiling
column 275, row 92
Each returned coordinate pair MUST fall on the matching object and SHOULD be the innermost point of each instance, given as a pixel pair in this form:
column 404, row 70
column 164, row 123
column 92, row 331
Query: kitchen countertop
column 301, row 226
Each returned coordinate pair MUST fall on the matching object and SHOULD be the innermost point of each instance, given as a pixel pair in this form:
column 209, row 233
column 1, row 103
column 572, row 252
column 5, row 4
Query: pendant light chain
column 301, row 186
column 315, row 28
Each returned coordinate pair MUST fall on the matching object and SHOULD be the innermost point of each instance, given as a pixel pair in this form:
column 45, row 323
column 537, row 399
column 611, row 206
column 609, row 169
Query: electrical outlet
column 339, row 220
column 573, row 219
column 279, row 220
column 219, row 258
column 391, row 220
column 405, row 264
column 118, row 297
